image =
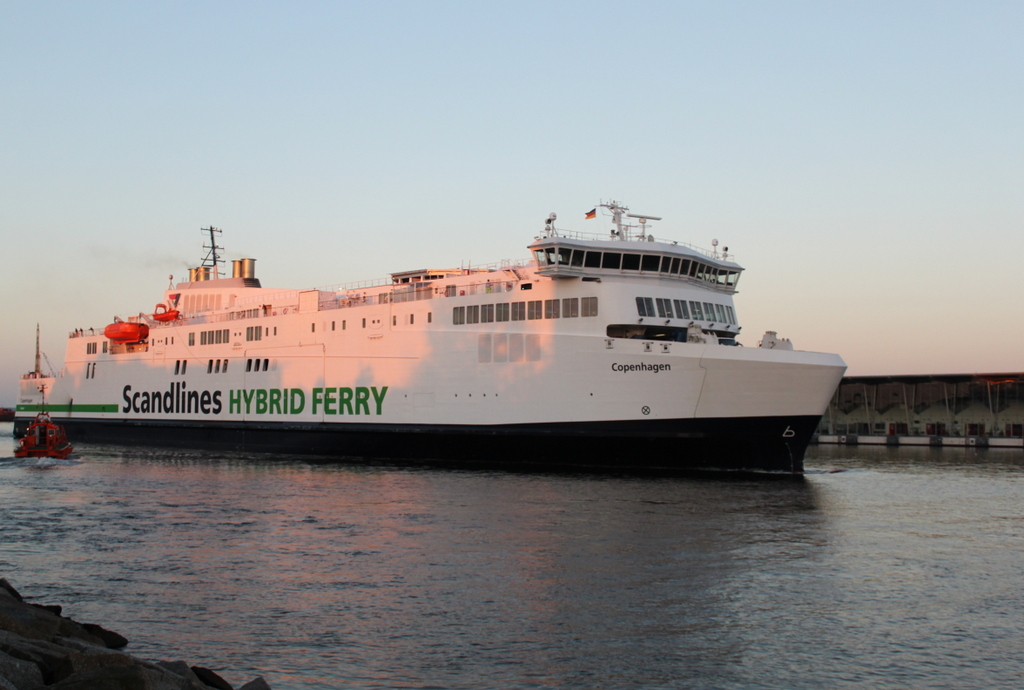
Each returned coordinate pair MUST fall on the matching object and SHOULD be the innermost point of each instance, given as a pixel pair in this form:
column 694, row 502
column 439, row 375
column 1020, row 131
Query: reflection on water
column 903, row 571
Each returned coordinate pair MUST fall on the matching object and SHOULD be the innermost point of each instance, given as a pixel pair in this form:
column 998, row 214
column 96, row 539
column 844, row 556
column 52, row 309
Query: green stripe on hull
column 67, row 408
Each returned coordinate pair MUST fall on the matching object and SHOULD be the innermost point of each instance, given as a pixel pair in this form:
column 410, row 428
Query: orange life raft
column 122, row 332
column 162, row 313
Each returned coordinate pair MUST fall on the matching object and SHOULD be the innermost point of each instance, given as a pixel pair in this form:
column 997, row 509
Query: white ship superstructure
column 616, row 351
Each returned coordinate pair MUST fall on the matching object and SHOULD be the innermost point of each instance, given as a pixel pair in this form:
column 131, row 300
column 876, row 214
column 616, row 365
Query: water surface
column 902, row 570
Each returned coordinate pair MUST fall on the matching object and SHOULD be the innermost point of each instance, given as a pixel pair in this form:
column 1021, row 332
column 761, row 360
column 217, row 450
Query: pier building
column 935, row 409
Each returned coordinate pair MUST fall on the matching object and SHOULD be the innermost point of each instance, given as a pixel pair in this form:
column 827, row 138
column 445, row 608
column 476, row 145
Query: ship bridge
column 630, row 251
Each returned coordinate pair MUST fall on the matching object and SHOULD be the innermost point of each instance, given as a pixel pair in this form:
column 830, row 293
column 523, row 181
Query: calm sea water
column 906, row 569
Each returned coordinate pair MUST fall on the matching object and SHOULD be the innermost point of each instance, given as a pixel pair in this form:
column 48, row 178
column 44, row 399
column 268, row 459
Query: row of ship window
column 566, row 308
column 220, row 366
column 645, row 263
column 681, row 309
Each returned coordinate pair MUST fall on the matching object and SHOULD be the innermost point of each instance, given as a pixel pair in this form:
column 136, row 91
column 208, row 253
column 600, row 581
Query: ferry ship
column 616, row 350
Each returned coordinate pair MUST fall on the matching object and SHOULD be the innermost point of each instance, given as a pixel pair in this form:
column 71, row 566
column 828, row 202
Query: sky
column 864, row 161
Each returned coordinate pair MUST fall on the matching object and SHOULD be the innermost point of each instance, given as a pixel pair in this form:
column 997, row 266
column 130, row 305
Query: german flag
column 591, row 214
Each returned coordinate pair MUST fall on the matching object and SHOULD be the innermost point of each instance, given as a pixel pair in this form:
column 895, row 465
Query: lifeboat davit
column 162, row 313
column 122, row 332
column 43, row 439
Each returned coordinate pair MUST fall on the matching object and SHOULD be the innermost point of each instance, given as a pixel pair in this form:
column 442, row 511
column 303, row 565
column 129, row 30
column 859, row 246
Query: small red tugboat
column 44, row 439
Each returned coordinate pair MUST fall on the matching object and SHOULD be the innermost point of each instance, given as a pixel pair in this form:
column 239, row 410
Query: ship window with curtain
column 501, row 312
column 645, row 306
column 458, row 316
column 519, row 311
column 551, row 309
column 533, row 310
column 487, row 313
column 588, row 306
column 570, row 307
column 665, row 308
column 473, row 314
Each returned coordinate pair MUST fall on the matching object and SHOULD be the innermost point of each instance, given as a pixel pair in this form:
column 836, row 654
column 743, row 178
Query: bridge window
column 611, row 260
column 630, row 262
column 592, row 260
column 651, row 262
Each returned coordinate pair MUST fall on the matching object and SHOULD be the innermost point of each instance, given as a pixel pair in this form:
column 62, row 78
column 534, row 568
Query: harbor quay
column 982, row 410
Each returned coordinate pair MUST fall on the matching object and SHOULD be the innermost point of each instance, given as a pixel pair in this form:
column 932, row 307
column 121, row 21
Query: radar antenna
column 212, row 258
column 621, row 230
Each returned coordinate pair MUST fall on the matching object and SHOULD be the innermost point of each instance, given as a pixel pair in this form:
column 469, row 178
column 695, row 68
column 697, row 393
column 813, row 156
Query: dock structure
column 985, row 410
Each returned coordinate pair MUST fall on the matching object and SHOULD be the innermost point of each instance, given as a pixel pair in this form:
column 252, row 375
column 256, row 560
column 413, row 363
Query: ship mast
column 39, row 367
column 212, row 258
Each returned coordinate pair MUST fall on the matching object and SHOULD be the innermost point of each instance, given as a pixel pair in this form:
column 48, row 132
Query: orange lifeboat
column 162, row 313
column 44, row 439
column 122, row 332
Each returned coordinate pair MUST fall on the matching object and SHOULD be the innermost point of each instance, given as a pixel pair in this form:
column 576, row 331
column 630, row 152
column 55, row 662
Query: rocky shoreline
column 40, row 648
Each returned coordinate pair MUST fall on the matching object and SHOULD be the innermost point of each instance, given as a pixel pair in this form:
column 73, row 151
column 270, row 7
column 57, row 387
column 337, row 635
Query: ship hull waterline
column 755, row 444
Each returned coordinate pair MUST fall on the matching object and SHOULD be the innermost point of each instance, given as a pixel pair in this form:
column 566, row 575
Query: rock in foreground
column 40, row 648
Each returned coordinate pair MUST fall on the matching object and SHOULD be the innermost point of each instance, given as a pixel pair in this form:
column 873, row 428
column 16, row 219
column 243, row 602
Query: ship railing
column 364, row 297
column 599, row 237
column 358, row 285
